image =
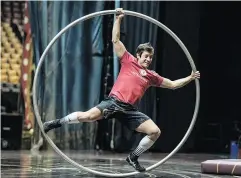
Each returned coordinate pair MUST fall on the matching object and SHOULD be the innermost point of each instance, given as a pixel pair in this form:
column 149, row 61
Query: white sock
column 70, row 119
column 144, row 145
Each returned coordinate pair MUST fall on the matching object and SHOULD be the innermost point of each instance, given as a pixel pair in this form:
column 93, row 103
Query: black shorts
column 127, row 114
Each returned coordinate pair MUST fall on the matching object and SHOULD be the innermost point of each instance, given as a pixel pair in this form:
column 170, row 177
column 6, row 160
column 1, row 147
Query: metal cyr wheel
column 106, row 12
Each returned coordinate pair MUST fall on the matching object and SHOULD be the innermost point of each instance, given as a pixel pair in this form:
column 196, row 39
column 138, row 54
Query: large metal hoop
column 106, row 12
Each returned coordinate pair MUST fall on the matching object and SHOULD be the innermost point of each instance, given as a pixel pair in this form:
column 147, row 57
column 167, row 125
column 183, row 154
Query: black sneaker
column 51, row 125
column 135, row 164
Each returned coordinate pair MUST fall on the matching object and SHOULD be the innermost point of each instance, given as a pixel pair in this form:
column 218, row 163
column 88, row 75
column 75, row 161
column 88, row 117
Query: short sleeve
column 126, row 58
column 156, row 80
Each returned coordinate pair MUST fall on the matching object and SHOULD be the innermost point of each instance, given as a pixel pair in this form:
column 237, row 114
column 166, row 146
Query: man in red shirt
column 132, row 82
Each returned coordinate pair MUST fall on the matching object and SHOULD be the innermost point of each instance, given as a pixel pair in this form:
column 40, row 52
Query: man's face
column 145, row 59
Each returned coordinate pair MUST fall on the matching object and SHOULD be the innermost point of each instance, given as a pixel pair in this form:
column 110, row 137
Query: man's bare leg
column 73, row 118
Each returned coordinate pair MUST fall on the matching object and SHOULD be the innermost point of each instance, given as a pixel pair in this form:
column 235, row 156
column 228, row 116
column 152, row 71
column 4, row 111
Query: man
column 132, row 82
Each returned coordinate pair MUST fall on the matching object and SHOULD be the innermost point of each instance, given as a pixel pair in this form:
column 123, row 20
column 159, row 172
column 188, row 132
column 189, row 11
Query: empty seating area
column 11, row 55
column 11, row 37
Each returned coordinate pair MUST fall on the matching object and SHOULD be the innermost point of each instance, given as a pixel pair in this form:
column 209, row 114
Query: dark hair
column 144, row 47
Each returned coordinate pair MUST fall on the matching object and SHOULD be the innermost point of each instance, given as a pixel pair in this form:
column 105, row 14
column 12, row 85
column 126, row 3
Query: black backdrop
column 219, row 60
column 211, row 32
column 175, row 108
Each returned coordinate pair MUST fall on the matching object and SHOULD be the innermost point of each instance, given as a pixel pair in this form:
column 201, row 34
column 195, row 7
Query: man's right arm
column 119, row 47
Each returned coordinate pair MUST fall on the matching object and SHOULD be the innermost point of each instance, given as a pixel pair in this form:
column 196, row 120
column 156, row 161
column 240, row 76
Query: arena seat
column 14, row 79
column 4, row 78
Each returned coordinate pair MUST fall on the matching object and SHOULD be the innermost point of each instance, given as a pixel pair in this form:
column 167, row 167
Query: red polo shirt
column 133, row 80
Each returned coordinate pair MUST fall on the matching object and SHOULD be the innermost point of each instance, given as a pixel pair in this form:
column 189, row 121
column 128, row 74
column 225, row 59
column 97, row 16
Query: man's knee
column 157, row 132
column 154, row 133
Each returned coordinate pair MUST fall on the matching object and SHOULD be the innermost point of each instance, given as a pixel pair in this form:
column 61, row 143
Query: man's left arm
column 167, row 83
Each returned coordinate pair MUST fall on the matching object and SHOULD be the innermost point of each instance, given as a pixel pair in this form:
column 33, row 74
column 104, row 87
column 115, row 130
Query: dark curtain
column 210, row 32
column 219, row 54
column 71, row 74
column 175, row 108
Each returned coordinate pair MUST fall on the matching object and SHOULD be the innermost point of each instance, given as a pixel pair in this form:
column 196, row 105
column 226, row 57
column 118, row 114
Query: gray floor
column 49, row 164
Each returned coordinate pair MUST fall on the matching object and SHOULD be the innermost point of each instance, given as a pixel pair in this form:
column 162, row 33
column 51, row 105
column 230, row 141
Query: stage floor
column 25, row 164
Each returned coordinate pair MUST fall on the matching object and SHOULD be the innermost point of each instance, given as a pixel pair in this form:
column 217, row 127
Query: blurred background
column 80, row 70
